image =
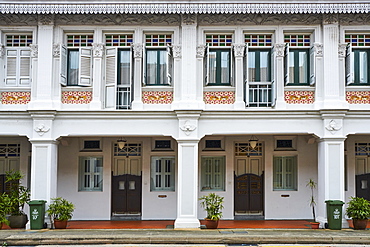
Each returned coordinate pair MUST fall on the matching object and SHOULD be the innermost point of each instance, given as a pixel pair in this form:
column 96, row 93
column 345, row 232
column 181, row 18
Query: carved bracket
column 98, row 49
column 176, row 50
column 34, row 50
column 138, row 50
column 201, row 49
column 280, row 50
column 239, row 50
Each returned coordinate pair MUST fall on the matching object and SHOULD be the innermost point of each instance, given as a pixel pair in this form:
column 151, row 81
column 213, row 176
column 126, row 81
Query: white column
column 334, row 97
column 137, row 103
column 187, row 178
column 330, row 184
column 239, row 78
column 187, row 185
column 42, row 83
column 44, row 170
column 98, row 51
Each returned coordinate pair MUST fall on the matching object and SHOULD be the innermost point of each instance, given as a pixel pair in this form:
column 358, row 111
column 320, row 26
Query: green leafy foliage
column 60, row 209
column 213, row 204
column 358, row 208
column 18, row 195
column 4, row 207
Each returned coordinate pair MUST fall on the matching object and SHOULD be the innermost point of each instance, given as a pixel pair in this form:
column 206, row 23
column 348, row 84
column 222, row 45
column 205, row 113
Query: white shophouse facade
column 187, row 86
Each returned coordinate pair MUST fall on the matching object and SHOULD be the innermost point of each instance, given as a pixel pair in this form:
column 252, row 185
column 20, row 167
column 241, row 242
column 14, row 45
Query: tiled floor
column 168, row 224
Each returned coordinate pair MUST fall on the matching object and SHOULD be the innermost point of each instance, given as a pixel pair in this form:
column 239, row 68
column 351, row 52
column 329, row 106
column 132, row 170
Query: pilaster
column 279, row 76
column 98, row 53
column 42, row 85
column 137, row 103
column 239, row 79
column 334, row 96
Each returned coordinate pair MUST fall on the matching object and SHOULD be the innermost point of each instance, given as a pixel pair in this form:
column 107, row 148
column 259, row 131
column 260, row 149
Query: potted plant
column 359, row 210
column 312, row 185
column 4, row 209
column 213, row 204
column 18, row 196
column 60, row 211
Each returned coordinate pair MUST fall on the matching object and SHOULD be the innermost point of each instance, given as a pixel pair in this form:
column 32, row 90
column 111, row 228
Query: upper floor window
column 259, row 70
column 17, row 63
column 158, row 60
column 358, row 59
column 298, row 55
column 219, row 59
column 76, row 60
column 118, row 71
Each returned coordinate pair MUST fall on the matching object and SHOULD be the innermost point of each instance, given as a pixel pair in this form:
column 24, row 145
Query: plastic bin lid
column 334, row 202
column 37, row 202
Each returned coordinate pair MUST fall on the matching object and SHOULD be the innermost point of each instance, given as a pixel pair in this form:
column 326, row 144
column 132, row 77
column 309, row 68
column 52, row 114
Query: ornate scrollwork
column 190, row 19
column 138, row 50
column 239, row 50
column 98, row 49
column 34, row 50
column 188, row 128
column 41, row 129
column 176, row 50
column 201, row 50
column 279, row 50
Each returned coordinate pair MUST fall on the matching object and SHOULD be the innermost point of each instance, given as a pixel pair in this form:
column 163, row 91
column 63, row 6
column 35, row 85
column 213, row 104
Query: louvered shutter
column 144, row 65
column 246, row 74
column 349, row 65
column 85, row 67
column 169, row 65
column 286, row 64
column 63, row 65
column 231, row 67
column 110, row 77
column 312, row 65
column 272, row 77
column 24, row 67
column 11, row 67
column 207, row 64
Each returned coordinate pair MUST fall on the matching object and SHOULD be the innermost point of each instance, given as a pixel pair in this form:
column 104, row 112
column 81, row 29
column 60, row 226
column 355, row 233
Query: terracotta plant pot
column 211, row 224
column 315, row 225
column 60, row 224
column 359, row 224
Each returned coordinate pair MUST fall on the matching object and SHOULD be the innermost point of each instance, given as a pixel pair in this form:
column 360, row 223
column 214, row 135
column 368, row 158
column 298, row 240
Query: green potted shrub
column 60, row 211
column 213, row 204
column 312, row 185
column 18, row 196
column 4, row 209
column 359, row 210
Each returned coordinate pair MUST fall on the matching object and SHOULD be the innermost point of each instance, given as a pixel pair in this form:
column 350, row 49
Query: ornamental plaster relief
column 318, row 49
column 239, row 50
column 189, row 19
column 2, row 50
column 118, row 19
column 46, row 19
column 34, row 50
column 279, row 50
column 176, row 50
column 98, row 50
column 201, row 49
column 138, row 50
column 342, row 49
column 56, row 50
column 41, row 129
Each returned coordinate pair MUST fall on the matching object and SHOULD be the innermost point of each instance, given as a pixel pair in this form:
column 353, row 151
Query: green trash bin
column 334, row 214
column 37, row 212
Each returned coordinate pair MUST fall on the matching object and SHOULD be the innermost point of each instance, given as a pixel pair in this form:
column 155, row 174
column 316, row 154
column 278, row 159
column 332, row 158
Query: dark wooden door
column 248, row 193
column 126, row 194
column 363, row 186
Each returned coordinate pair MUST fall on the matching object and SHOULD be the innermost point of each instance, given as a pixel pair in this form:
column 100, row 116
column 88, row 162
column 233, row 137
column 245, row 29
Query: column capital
column 176, row 50
column 34, row 50
column 342, row 50
column 98, row 50
column 239, row 50
column 279, row 50
column 201, row 50
column 138, row 50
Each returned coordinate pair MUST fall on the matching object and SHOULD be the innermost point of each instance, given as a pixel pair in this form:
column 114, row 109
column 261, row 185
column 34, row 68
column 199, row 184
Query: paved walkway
column 236, row 237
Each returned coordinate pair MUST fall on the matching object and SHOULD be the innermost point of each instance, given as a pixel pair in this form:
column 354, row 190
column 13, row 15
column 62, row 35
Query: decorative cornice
column 185, row 8
column 189, row 19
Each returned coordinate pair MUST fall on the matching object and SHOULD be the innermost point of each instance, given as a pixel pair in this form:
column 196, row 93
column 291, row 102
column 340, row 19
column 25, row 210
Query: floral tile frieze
column 299, row 97
column 13, row 98
column 157, row 97
column 358, row 97
column 76, row 97
column 219, row 97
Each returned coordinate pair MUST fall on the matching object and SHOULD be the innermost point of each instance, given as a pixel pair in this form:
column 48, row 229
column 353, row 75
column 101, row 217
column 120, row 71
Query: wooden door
column 126, row 185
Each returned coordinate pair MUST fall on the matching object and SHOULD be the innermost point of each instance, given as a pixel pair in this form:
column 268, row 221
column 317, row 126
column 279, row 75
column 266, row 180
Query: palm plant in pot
column 18, row 195
column 60, row 211
column 312, row 185
column 213, row 204
column 359, row 210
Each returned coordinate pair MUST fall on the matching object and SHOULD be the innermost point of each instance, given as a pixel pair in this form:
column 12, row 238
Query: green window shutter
column 162, row 174
column 91, row 174
column 285, row 173
column 213, row 173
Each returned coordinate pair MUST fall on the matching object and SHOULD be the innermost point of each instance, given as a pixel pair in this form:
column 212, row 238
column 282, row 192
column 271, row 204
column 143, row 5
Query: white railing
column 259, row 94
column 123, row 98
